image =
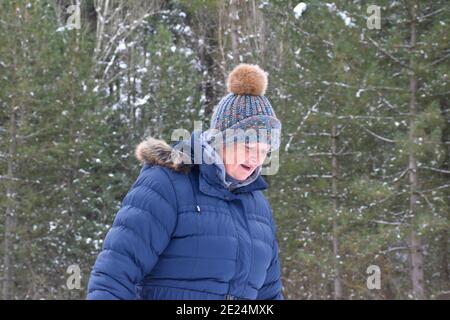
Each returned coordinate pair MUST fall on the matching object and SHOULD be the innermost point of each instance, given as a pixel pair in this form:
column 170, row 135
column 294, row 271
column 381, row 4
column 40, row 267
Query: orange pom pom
column 247, row 79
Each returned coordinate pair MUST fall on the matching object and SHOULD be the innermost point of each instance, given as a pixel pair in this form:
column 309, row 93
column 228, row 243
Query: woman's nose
column 253, row 158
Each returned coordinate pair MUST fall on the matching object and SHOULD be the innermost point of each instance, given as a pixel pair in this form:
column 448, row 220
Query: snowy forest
column 362, row 89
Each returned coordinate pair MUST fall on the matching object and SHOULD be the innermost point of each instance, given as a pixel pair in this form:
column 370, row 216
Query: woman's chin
column 244, row 173
column 241, row 172
column 241, row 176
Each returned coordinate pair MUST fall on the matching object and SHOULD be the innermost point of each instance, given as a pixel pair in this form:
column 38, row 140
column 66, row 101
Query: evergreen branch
column 387, row 222
column 394, row 249
column 431, row 14
column 376, row 203
column 391, row 106
column 19, row 179
column 388, row 54
column 437, row 188
column 329, row 154
column 439, row 60
column 360, row 117
column 402, row 174
column 326, row 134
column 313, row 109
column 345, row 85
column 34, row 134
column 435, row 169
column 430, row 205
column 376, row 135
column 316, row 176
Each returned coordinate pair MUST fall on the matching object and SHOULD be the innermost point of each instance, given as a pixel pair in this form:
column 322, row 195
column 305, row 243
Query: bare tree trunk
column 130, row 94
column 101, row 19
column 416, row 254
column 222, row 40
column 443, row 268
column 261, row 34
column 252, row 22
column 210, row 40
column 338, row 289
column 234, row 31
column 280, row 50
column 445, row 235
column 10, row 214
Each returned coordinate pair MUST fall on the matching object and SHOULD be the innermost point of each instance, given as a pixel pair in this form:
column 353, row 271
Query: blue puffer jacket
column 180, row 234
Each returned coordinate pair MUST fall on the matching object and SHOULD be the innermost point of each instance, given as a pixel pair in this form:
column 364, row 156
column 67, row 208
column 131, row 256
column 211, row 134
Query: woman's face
column 241, row 159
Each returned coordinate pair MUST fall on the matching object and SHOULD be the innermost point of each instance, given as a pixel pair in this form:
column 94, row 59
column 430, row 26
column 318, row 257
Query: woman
column 191, row 229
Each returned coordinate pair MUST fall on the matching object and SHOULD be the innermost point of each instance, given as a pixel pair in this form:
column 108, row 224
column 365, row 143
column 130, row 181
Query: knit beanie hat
column 246, row 110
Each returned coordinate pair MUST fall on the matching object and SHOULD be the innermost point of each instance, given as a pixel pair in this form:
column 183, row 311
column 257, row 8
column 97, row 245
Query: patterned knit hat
column 245, row 107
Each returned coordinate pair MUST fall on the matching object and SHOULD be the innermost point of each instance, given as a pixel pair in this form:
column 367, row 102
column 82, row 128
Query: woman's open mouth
column 246, row 168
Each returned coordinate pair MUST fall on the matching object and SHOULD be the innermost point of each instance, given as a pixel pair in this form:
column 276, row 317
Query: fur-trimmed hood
column 158, row 152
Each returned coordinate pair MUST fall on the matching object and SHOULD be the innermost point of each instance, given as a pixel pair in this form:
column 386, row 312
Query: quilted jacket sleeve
column 272, row 287
column 140, row 232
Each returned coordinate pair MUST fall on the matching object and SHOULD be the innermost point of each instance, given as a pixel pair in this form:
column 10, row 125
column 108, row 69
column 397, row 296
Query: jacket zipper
column 251, row 244
column 197, row 206
column 229, row 296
